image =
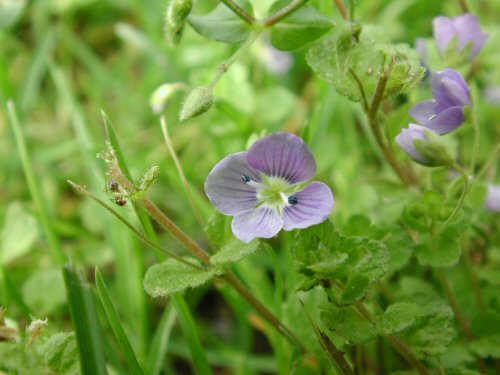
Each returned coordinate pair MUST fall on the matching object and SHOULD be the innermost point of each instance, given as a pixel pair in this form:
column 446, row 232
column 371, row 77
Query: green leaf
column 486, row 328
column 301, row 27
column 441, row 252
column 348, row 323
column 20, row 231
column 172, row 276
column 84, row 317
column 223, row 24
column 357, row 262
column 116, row 326
column 60, row 353
column 397, row 318
column 427, row 211
column 218, row 229
column 234, row 251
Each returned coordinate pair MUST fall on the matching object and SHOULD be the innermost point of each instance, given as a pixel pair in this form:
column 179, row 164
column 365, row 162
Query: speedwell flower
column 264, row 188
column 465, row 28
column 493, row 198
column 446, row 111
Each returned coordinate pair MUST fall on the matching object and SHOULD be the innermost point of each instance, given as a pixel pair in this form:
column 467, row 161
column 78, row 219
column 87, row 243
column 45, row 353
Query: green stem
column 477, row 133
column 223, row 68
column 180, row 171
column 342, row 9
column 34, row 185
column 464, row 6
column 239, row 11
column 460, row 202
column 283, row 12
column 396, row 343
column 489, row 162
column 148, row 242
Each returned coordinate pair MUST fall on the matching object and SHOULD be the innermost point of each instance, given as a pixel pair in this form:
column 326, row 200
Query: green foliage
column 348, row 323
column 10, row 12
column 172, row 276
column 486, row 329
column 443, row 251
column 222, row 24
column 325, row 256
column 397, row 318
column 19, row 233
column 234, row 251
column 298, row 29
column 350, row 58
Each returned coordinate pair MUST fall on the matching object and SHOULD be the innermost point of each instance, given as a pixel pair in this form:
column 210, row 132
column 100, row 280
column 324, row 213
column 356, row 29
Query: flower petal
column 261, row 222
column 450, row 89
column 444, row 31
column 283, row 155
column 225, row 187
column 422, row 112
column 314, row 204
column 406, row 140
column 469, row 31
column 447, row 121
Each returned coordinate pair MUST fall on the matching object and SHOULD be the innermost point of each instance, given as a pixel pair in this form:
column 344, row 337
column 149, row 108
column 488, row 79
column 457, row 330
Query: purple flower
column 263, row 188
column 493, row 199
column 445, row 112
column 465, row 28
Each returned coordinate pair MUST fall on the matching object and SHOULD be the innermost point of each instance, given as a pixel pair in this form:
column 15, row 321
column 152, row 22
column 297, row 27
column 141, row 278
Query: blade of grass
column 34, row 186
column 84, row 317
column 160, row 341
column 190, row 333
column 116, row 325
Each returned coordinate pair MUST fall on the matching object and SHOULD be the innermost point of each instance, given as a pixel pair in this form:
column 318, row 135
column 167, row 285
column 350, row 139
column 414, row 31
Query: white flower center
column 273, row 192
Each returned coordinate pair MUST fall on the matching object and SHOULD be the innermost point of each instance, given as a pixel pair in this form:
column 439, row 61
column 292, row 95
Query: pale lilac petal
column 444, row 31
column 225, row 187
column 493, row 199
column 406, row 140
column 446, row 121
column 469, row 31
column 314, row 204
column 450, row 89
column 422, row 112
column 479, row 42
column 262, row 222
column 283, row 155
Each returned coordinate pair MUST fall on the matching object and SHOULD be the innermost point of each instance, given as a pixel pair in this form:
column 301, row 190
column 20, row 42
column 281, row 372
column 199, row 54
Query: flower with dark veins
column 264, row 188
column 465, row 28
column 446, row 111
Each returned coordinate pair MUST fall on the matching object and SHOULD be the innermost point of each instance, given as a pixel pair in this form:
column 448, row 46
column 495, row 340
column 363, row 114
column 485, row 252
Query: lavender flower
column 424, row 146
column 263, row 188
column 465, row 28
column 493, row 199
column 446, row 111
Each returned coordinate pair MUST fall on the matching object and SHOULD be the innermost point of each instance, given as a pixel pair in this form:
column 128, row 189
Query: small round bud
column 200, row 100
column 177, row 12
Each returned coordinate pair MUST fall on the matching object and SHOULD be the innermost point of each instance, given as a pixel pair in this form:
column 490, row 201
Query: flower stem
column 460, row 202
column 342, row 9
column 283, row 12
column 477, row 133
column 464, row 6
column 396, row 343
column 223, row 68
column 239, row 11
column 180, row 171
column 371, row 112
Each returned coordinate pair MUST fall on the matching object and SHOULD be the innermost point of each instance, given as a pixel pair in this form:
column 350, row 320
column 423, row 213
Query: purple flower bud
column 465, row 28
column 424, row 146
column 446, row 111
column 263, row 188
column 493, row 199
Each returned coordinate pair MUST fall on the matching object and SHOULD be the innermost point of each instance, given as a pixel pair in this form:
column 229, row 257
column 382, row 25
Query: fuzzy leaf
column 298, row 29
column 442, row 252
column 218, row 229
column 223, row 24
column 172, row 276
column 398, row 317
column 234, row 251
column 61, row 353
column 348, row 323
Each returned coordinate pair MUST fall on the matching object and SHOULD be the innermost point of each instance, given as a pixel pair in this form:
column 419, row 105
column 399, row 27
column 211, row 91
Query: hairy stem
column 239, row 11
column 342, row 9
column 283, row 12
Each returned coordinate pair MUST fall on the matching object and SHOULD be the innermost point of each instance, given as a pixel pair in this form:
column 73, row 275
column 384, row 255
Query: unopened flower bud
column 177, row 12
column 424, row 146
column 198, row 101
column 161, row 96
